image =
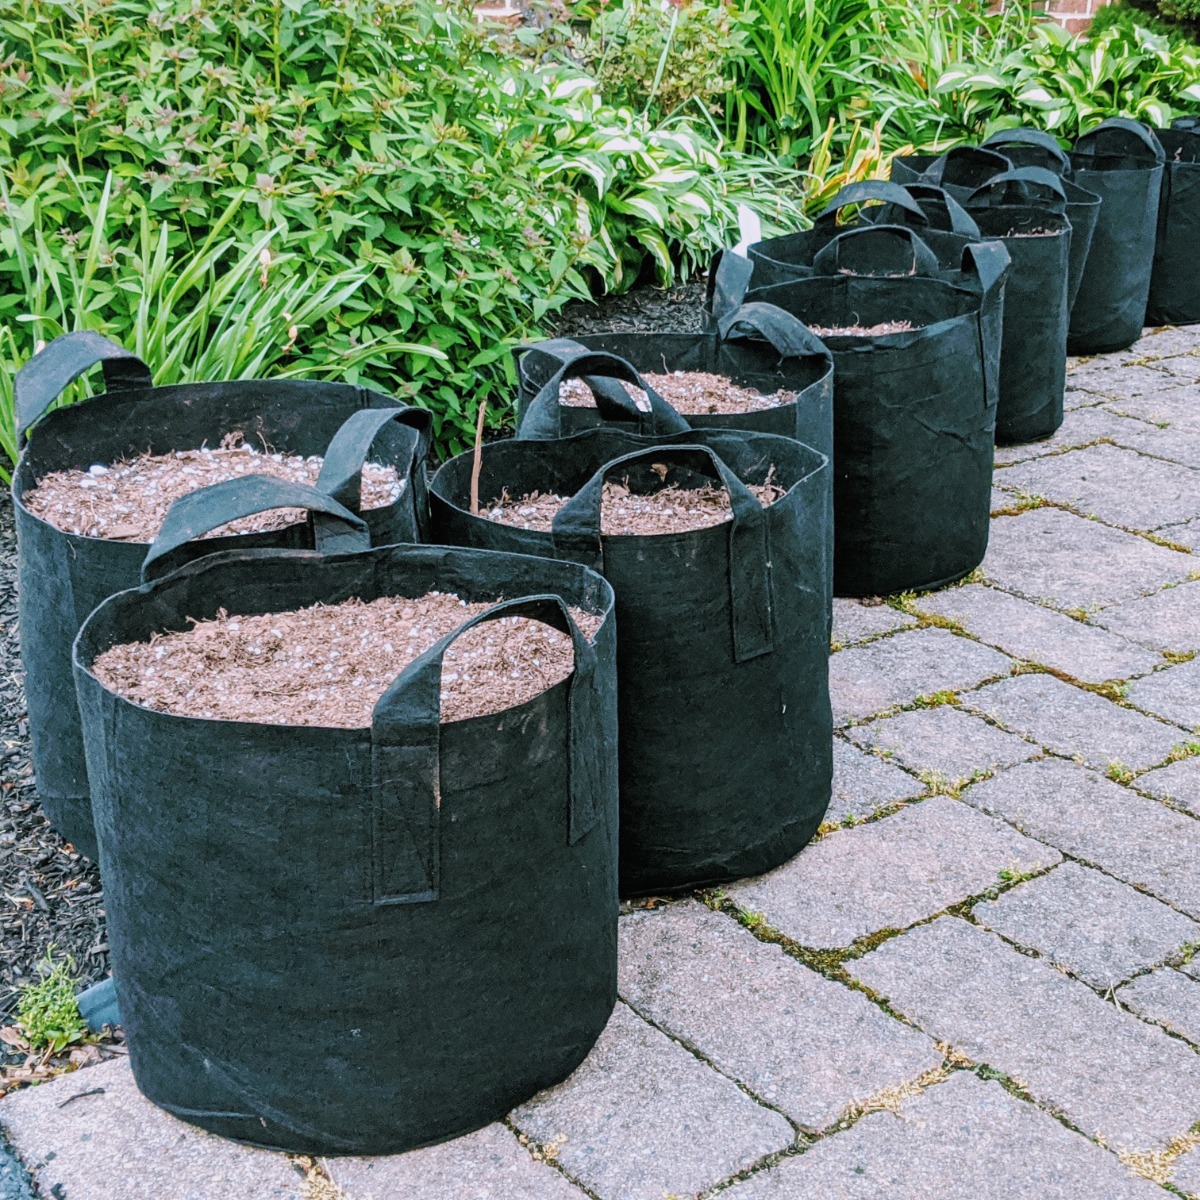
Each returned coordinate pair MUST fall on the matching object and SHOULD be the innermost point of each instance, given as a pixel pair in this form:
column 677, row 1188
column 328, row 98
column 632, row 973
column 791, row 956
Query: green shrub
column 475, row 185
column 46, row 1011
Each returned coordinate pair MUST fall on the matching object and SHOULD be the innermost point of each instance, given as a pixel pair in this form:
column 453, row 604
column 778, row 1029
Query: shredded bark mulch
column 884, row 327
column 678, row 309
column 671, row 509
column 328, row 665
column 689, row 392
column 127, row 501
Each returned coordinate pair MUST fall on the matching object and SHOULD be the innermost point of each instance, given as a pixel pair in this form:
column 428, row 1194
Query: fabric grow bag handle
column 921, row 260
column 42, row 379
column 543, row 417
column 786, row 334
column 576, row 531
column 1187, row 124
column 989, row 262
column 1032, row 137
column 1087, row 143
column 341, row 470
column 406, row 754
column 728, row 282
column 566, row 350
column 960, row 220
column 869, row 189
column 981, row 163
column 993, row 192
column 335, row 529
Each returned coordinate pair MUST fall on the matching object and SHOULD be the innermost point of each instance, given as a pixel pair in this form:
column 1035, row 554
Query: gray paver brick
column 1097, row 927
column 944, row 742
column 1117, row 485
column 1070, row 721
column 1087, row 816
column 1186, row 533
column 805, row 1045
column 1070, row 562
column 1080, row 427
column 1107, row 377
column 868, row 679
column 642, row 1117
column 1165, row 342
column 1107, row 1071
column 863, row 783
column 963, row 1139
column 1174, row 443
column 1178, row 782
column 1177, row 407
column 855, row 622
column 1168, row 999
column 888, row 874
column 1168, row 620
column 487, row 1165
column 1187, row 1172
column 1173, row 694
column 1037, row 634
column 118, row 1146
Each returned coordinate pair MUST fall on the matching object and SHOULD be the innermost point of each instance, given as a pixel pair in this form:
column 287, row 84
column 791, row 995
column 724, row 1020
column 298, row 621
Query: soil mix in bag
column 424, row 904
column 1025, row 209
column 64, row 574
column 778, row 375
column 914, row 409
column 1122, row 162
column 725, row 753
column 1174, row 281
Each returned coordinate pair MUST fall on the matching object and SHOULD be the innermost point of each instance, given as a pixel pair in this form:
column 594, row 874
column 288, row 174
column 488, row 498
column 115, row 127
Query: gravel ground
column 50, row 894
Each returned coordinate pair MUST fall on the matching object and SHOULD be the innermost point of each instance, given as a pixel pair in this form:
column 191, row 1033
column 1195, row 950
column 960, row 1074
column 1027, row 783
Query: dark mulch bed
column 49, row 894
column 645, row 309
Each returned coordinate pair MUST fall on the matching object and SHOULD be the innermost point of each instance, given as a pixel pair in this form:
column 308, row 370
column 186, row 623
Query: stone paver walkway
column 977, row 984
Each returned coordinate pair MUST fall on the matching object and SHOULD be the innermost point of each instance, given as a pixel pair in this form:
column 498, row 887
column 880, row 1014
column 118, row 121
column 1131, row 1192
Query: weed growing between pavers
column 1159, row 1165
column 47, row 1012
column 317, row 1184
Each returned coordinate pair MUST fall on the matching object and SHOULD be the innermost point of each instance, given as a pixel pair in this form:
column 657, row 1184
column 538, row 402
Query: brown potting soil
column 329, row 665
column 669, row 510
column 1031, row 233
column 127, row 501
column 689, row 392
column 884, row 327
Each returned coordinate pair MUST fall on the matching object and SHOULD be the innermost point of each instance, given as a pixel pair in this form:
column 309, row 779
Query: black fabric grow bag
column 357, row 941
column 756, row 347
column 914, row 412
column 63, row 576
column 1004, row 151
column 1122, row 162
column 1175, row 281
column 1025, row 210
column 723, row 639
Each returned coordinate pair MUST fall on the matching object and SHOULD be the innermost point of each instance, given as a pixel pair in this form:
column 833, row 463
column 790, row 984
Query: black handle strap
column 406, row 757
column 42, row 379
column 989, row 262
column 1187, row 124
column 543, row 417
column 341, row 470
column 1027, row 184
column 577, row 536
column 1116, row 129
column 335, row 529
column 867, row 190
column 966, row 166
column 728, row 282
column 939, row 209
column 1024, row 136
column 851, row 252
column 565, row 350
column 787, row 334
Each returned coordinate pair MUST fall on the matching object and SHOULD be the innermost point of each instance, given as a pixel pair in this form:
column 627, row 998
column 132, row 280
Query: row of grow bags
column 422, row 863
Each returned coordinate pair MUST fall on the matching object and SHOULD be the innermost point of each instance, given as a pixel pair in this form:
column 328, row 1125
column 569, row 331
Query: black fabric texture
column 1122, row 162
column 914, row 412
column 757, row 347
column 1175, row 281
column 63, row 576
column 358, row 941
column 723, row 638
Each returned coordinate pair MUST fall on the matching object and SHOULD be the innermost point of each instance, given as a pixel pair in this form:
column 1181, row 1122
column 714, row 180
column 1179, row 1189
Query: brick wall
column 1074, row 15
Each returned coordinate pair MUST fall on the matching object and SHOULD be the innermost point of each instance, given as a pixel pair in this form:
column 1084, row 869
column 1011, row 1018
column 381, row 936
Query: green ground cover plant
column 47, row 1013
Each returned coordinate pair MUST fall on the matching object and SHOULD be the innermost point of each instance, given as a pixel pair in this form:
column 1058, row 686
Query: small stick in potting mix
column 477, row 461
column 671, row 509
column 127, row 501
column 689, row 392
column 329, row 665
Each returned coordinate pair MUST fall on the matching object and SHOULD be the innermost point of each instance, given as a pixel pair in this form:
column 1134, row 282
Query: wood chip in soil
column 671, row 509
column 693, row 393
column 880, row 330
column 328, row 665
column 127, row 501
